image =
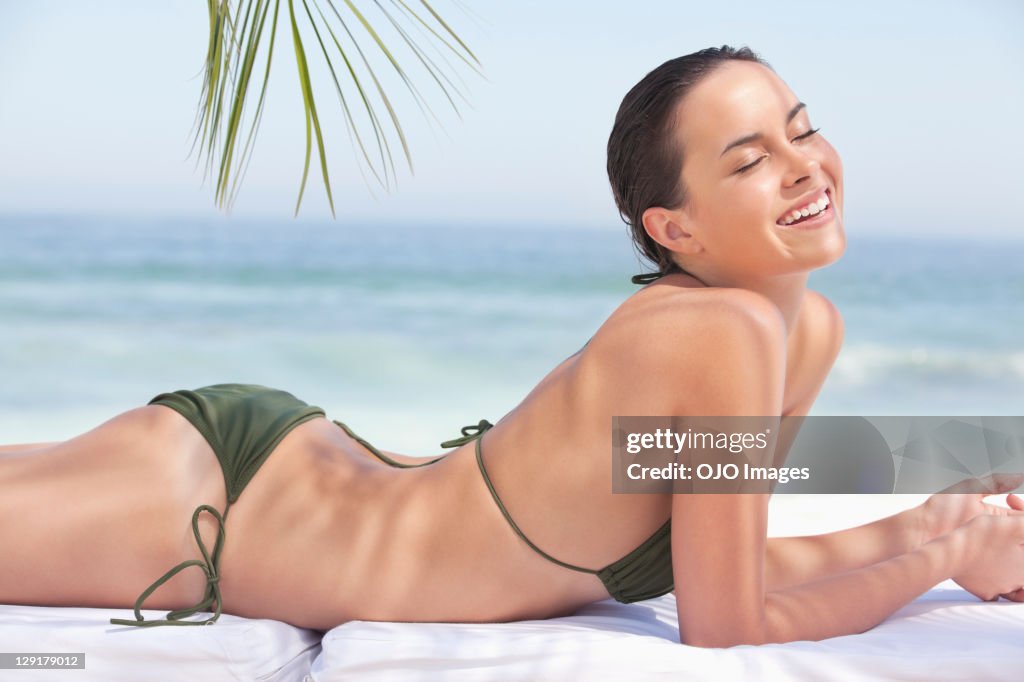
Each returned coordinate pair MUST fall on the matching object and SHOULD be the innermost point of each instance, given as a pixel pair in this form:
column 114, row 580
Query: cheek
column 755, row 199
column 739, row 211
column 833, row 167
column 831, row 162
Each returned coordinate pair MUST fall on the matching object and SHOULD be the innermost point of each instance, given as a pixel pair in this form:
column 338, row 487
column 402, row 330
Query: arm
column 719, row 542
column 796, row 560
column 985, row 556
column 722, row 596
column 858, row 600
column 26, row 447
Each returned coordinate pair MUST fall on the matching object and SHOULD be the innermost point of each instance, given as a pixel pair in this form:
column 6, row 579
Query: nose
column 800, row 166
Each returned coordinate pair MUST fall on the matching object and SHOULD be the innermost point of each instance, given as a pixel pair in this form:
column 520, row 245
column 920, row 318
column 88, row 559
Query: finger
column 1015, row 502
column 1010, row 510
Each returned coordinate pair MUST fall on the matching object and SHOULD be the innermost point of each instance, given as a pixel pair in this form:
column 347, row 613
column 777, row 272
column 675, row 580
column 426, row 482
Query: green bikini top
column 644, row 573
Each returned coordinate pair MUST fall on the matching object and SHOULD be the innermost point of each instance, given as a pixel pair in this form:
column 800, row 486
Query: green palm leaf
column 243, row 35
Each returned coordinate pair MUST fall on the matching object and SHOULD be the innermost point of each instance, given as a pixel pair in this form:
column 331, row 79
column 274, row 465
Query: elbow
column 724, row 636
column 724, row 640
column 769, row 625
column 713, row 642
column 773, row 626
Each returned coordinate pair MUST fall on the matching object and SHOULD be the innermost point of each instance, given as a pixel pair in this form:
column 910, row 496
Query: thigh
column 94, row 520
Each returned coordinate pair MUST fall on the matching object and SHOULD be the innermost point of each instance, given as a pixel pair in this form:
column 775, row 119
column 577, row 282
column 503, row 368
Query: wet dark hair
column 644, row 161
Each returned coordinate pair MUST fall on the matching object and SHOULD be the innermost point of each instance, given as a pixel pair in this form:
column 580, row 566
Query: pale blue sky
column 924, row 101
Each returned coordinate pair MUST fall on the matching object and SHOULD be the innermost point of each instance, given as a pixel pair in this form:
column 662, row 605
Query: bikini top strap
column 508, row 517
column 380, row 455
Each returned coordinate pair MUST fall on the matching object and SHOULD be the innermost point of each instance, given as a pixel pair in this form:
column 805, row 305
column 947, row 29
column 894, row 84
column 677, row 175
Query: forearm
column 791, row 561
column 860, row 599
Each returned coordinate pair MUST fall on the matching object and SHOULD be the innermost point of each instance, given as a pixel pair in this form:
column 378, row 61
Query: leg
column 94, row 520
column 24, row 447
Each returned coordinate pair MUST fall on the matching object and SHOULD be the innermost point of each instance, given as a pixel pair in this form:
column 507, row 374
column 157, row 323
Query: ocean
column 407, row 333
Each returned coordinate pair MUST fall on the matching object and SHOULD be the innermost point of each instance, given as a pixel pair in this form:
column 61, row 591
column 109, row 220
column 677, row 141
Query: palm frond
column 241, row 45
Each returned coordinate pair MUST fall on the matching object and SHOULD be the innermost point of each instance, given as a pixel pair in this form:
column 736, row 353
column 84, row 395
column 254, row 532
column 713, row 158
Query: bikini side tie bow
column 210, row 566
column 468, row 434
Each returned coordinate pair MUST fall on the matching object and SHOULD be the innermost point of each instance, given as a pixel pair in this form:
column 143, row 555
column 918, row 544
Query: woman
column 736, row 198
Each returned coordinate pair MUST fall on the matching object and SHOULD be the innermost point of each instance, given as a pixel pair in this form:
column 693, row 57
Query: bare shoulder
column 816, row 344
column 701, row 350
column 812, row 350
column 825, row 322
column 689, row 316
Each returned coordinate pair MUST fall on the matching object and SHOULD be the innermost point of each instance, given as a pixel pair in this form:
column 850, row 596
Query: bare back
column 441, row 548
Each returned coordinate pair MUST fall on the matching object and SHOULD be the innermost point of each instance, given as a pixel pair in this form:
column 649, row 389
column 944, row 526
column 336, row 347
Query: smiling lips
column 809, row 209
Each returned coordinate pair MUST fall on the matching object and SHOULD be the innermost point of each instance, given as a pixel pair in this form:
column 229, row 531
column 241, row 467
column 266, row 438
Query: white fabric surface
column 945, row 635
column 233, row 649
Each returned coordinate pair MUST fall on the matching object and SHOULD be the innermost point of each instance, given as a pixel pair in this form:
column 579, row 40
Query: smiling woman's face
column 751, row 159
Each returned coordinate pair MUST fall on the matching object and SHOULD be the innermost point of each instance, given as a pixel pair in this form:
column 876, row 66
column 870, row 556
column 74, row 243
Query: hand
column 994, row 557
column 951, row 508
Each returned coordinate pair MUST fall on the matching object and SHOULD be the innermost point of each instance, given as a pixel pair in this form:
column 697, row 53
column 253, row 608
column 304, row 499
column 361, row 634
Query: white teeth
column 813, row 208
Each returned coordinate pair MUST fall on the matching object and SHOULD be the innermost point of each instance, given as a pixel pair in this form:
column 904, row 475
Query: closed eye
column 750, row 165
column 813, row 131
column 798, row 138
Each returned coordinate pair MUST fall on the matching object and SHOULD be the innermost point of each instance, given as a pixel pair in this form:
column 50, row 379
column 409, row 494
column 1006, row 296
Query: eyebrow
column 754, row 137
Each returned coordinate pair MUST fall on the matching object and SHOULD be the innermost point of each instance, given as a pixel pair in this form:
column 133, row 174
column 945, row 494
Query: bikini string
column 646, row 277
column 468, row 433
column 474, row 432
column 209, row 566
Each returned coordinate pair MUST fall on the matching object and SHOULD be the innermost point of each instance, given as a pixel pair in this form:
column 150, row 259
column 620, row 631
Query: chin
column 815, row 248
column 832, row 245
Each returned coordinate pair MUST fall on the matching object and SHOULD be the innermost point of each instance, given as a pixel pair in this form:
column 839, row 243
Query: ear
column 671, row 229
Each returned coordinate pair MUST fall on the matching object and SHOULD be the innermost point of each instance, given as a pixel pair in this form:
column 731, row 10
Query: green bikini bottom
column 243, row 423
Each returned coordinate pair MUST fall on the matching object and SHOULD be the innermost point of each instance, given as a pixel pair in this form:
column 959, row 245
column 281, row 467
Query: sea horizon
column 409, row 332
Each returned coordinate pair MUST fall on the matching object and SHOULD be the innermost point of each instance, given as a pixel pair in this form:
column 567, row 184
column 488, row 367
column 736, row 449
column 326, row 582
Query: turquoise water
column 407, row 333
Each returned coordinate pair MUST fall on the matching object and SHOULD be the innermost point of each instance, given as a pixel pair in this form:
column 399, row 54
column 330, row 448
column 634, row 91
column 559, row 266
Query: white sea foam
column 864, row 363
